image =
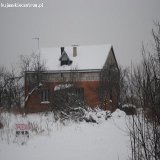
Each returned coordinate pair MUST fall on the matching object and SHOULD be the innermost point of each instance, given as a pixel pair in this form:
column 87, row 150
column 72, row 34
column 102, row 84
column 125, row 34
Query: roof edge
column 66, row 71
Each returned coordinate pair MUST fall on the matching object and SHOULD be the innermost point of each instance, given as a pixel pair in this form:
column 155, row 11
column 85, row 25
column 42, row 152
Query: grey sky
column 123, row 23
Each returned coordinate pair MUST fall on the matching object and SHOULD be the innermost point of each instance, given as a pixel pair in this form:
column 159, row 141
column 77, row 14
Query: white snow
column 62, row 86
column 128, row 106
column 119, row 113
column 45, row 102
column 88, row 57
column 51, row 140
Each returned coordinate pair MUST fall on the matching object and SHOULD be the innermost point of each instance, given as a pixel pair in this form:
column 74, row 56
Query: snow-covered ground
column 49, row 140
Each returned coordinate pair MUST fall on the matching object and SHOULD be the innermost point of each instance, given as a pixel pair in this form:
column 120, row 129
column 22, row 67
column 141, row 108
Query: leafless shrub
column 32, row 63
column 67, row 105
column 68, row 99
column 36, row 128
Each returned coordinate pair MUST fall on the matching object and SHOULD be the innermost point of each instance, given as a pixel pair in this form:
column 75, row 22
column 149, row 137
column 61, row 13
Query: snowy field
column 49, row 140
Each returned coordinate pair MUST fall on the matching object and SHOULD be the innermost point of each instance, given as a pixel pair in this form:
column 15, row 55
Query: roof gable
column 111, row 60
column 88, row 57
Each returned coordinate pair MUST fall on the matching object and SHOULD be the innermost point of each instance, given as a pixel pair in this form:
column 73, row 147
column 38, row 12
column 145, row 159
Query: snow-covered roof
column 88, row 57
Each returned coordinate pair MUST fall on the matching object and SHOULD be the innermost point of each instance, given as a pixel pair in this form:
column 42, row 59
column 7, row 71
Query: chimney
column 74, row 51
column 62, row 49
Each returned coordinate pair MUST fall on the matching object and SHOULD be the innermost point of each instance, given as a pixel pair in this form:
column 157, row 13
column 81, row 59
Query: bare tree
column 3, row 83
column 145, row 86
column 32, row 63
column 10, row 89
column 109, row 87
column 124, row 85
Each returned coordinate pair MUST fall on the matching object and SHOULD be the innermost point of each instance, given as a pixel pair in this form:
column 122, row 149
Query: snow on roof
column 88, row 57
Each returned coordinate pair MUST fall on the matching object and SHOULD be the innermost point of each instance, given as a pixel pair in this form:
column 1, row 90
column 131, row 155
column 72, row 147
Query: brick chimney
column 74, row 51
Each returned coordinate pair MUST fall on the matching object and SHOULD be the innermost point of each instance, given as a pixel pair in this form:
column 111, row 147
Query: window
column 45, row 95
column 67, row 62
column 80, row 93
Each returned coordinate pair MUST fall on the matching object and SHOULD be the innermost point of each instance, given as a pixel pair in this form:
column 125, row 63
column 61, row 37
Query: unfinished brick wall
column 88, row 81
column 90, row 92
column 91, row 97
column 34, row 103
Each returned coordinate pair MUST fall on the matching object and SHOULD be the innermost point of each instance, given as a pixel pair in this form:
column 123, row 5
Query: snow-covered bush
column 96, row 115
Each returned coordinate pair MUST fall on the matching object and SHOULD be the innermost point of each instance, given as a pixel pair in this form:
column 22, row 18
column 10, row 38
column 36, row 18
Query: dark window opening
column 45, row 95
column 66, row 62
column 80, row 93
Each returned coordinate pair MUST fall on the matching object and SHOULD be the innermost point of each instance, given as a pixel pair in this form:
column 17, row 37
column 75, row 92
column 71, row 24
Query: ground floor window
column 45, row 95
column 80, row 93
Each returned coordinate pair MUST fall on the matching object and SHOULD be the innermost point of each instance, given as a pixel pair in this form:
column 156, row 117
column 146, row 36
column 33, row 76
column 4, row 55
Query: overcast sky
column 122, row 23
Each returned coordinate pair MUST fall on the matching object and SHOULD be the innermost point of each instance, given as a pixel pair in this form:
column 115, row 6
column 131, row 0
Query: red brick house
column 94, row 69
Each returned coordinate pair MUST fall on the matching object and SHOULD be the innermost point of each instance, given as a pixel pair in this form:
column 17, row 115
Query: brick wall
column 34, row 103
column 88, row 81
column 90, row 92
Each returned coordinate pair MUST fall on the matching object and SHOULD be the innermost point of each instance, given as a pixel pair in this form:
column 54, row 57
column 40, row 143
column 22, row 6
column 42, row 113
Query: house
column 93, row 70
